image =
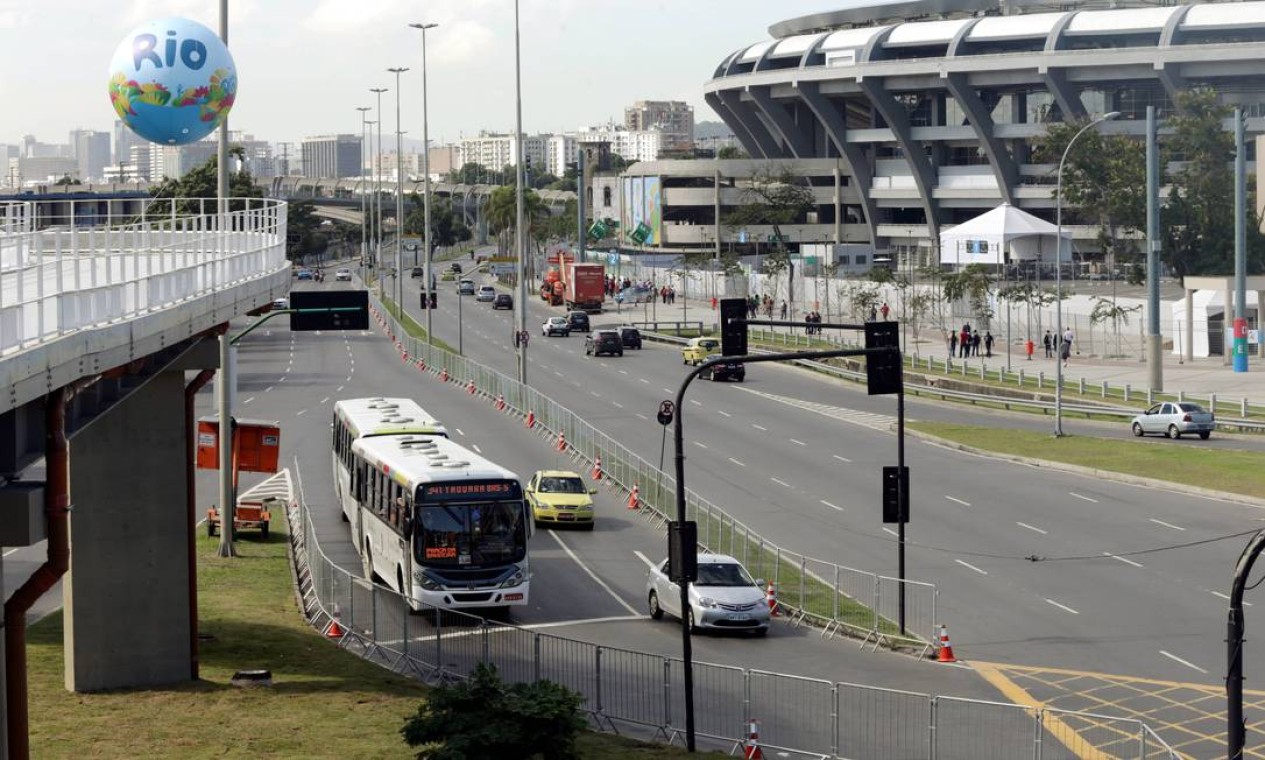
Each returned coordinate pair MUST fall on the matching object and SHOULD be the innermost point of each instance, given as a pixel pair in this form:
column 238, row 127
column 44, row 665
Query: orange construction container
column 258, row 445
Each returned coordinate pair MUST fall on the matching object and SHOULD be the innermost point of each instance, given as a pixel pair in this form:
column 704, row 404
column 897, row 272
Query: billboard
column 643, row 210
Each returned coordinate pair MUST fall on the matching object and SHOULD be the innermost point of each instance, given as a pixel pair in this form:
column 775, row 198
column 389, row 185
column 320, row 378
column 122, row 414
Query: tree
column 973, row 284
column 484, row 717
column 774, row 198
column 203, row 182
column 303, row 231
column 470, row 173
column 445, row 226
column 731, row 151
column 1106, row 309
column 502, row 213
column 68, row 180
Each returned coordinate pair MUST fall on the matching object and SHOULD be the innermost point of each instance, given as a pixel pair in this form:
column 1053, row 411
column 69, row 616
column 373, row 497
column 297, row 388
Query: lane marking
column 644, row 380
column 617, row 405
column 561, row 623
column 958, row 501
column 556, row 372
column 476, row 448
column 797, row 443
column 723, row 412
column 1085, row 498
column 339, row 389
column 699, row 444
column 695, row 403
column 642, row 416
column 1227, row 598
column 247, row 401
column 623, row 372
column 735, row 461
column 889, row 530
column 324, row 400
column 758, row 427
column 832, row 506
column 969, row 566
column 269, row 388
column 1063, row 607
column 459, row 431
column 643, row 558
column 301, row 412
column 781, row 482
column 592, row 574
column 842, row 459
column 1032, row 528
column 1166, row 525
column 1177, row 659
column 596, row 394
column 1125, row 560
column 669, row 392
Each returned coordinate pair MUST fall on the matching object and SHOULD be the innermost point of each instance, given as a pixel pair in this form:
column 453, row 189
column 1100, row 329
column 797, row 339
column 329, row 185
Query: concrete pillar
column 126, row 595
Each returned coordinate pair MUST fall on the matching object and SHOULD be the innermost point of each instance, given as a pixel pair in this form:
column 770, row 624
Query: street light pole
column 364, row 227
column 1058, row 276
column 519, row 233
column 377, row 194
column 427, row 285
column 399, row 196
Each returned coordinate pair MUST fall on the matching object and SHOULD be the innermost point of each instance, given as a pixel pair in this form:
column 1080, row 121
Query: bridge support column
column 127, row 593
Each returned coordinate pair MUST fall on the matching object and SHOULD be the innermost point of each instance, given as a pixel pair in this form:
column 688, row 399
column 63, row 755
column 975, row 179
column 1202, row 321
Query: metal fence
column 641, row 694
column 840, row 599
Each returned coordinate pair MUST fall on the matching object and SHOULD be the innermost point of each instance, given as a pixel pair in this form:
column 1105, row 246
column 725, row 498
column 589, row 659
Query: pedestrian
column 964, row 342
column 783, row 309
column 1066, row 347
column 953, row 344
column 873, row 314
column 885, row 310
column 975, row 343
column 1029, row 347
column 1048, row 341
column 988, row 343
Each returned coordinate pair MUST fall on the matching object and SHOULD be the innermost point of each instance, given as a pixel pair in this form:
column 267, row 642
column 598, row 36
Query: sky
column 305, row 65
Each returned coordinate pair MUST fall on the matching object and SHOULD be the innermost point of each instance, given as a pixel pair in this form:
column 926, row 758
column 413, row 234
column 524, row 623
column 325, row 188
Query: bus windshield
column 470, row 535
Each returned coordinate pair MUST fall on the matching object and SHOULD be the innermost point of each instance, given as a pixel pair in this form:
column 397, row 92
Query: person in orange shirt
column 1030, row 347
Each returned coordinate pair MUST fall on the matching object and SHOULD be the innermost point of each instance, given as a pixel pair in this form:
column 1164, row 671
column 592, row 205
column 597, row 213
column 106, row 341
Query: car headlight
column 706, row 602
column 515, row 580
column 585, row 508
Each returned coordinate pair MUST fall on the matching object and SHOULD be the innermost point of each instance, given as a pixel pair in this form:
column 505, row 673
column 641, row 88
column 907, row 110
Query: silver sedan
column 1173, row 418
column 724, row 598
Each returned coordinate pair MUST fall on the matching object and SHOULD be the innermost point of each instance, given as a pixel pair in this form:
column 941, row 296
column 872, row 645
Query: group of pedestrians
column 667, row 294
column 813, row 318
column 967, row 342
column 1054, row 344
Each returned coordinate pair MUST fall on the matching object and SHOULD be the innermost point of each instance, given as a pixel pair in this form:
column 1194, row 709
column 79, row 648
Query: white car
column 1173, row 418
column 281, row 303
column 555, row 326
column 724, row 598
column 486, row 293
column 343, row 275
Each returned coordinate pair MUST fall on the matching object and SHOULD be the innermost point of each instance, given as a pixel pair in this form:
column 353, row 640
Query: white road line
column 301, row 412
column 669, row 391
column 1227, row 598
column 1031, row 528
column 842, row 459
column 596, row 394
column 781, row 482
column 699, row 444
column 324, row 400
column 958, row 501
column 643, row 558
column 593, row 575
column 476, row 448
column 642, row 416
column 759, row 427
column 1063, row 607
column 556, row 372
column 797, row 443
column 723, row 412
column 644, row 380
column 1166, row 525
column 282, row 379
column 1177, row 659
column 623, row 372
column 969, row 566
column 1075, row 495
column 348, row 378
column 459, row 431
column 339, row 389
column 735, row 461
column 889, row 530
column 617, row 405
column 268, row 389
column 247, row 401
column 695, row 403
column 1125, row 560
column 832, row 506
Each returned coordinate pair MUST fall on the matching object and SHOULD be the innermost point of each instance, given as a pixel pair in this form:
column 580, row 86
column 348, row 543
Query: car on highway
column 725, row 371
column 724, row 598
column 698, row 349
column 1173, row 419
column 417, row 272
column 560, row 497
column 486, row 294
column 503, row 301
column 579, row 320
column 342, row 275
column 303, row 273
column 281, row 303
column 455, row 267
column 630, row 337
column 555, row 326
column 465, row 287
column 601, row 342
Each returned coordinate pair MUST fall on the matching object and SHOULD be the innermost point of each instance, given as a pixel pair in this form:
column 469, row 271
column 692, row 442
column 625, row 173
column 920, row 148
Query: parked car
column 698, row 349
column 465, row 288
column 455, row 267
column 503, row 301
column 555, row 326
column 486, row 293
column 601, row 342
column 560, row 497
column 1173, row 418
column 631, row 337
column 579, row 320
column 725, row 371
column 723, row 598
column 342, row 275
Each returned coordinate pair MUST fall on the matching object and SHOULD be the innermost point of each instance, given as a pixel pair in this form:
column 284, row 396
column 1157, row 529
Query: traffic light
column 310, row 310
column 733, row 326
column 895, row 494
column 882, row 369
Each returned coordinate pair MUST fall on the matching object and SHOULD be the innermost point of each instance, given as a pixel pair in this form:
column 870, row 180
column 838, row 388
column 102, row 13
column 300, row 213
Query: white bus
column 441, row 525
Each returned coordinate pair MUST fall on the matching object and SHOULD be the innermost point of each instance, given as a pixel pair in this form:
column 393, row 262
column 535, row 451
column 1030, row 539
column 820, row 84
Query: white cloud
column 459, row 43
column 341, row 16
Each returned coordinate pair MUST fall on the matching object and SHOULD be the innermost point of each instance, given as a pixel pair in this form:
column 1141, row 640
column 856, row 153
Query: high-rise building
column 92, row 150
column 444, row 159
column 124, row 139
column 494, row 152
column 331, row 156
column 674, row 119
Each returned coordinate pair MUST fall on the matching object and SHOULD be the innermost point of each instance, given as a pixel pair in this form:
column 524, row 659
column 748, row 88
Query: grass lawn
column 1236, row 472
column 324, row 702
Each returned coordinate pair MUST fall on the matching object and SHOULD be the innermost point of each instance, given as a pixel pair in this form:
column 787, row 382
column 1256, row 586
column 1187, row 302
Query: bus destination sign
column 471, row 491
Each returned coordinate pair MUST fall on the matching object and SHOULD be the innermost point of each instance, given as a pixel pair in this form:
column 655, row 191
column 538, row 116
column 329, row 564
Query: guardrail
column 627, row 691
column 654, row 325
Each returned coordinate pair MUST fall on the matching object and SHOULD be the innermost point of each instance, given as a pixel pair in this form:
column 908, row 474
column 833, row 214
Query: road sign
column 612, row 259
column 667, row 411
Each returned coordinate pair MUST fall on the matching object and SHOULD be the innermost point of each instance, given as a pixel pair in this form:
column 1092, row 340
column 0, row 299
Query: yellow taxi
column 698, row 349
column 560, row 497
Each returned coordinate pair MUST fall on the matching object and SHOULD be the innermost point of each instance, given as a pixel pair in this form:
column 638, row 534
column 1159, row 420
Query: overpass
column 106, row 302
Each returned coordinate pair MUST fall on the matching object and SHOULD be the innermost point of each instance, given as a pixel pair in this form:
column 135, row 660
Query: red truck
column 584, row 286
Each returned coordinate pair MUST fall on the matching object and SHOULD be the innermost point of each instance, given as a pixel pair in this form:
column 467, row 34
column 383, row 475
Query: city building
column 44, row 169
column 124, row 140
column 175, row 161
column 672, row 118
column 92, row 150
column 331, row 156
column 387, row 164
column 495, row 151
column 933, row 120
column 443, row 159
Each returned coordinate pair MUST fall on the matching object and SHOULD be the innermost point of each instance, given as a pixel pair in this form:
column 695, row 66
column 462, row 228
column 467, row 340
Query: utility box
column 258, row 445
column 22, row 519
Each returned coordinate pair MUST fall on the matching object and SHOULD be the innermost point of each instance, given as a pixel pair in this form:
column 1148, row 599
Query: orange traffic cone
column 771, row 595
column 597, row 468
column 500, row 402
column 443, row 375
column 634, row 498
column 335, row 630
column 562, row 442
column 946, row 649
column 751, row 748
column 470, row 387
column 530, row 420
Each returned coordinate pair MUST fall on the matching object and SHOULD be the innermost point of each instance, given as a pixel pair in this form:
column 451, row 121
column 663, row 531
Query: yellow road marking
column 1066, row 735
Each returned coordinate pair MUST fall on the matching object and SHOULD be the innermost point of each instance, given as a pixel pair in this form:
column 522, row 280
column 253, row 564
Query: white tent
column 986, row 239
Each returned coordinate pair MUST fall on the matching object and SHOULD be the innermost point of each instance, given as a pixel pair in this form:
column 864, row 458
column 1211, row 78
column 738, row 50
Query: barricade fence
column 839, row 599
column 641, row 694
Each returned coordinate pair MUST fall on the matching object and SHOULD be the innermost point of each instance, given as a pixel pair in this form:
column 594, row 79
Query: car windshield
column 722, row 574
column 630, row 332
column 561, row 485
column 707, row 344
column 470, row 535
column 557, row 321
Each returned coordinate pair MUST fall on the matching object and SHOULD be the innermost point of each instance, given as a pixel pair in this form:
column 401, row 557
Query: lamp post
column 520, row 234
column 377, row 192
column 399, row 196
column 1058, row 276
column 426, row 287
column 364, row 227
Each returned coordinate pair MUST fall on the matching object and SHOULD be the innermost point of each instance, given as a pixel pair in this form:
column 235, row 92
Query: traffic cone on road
column 443, row 375
column 751, row 748
column 530, row 421
column 335, row 630
column 946, row 649
column 771, row 595
column 634, row 498
column 470, row 387
column 500, row 402
column 562, row 442
column 597, row 468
